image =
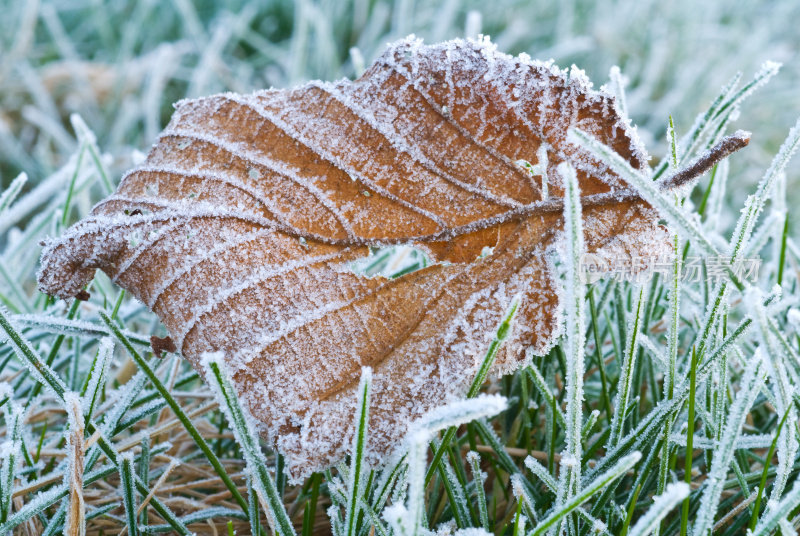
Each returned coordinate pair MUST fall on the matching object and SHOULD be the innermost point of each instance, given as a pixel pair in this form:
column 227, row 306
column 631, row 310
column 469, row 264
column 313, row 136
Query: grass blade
column 219, row 379
column 774, row 515
column 723, row 455
column 357, row 452
column 689, row 456
column 126, row 475
column 177, row 410
column 13, row 190
column 626, row 373
column 502, row 333
column 406, row 519
column 97, row 375
column 662, row 505
column 575, row 336
column 619, row 469
column 11, row 456
column 478, row 477
column 42, row 372
column 764, row 473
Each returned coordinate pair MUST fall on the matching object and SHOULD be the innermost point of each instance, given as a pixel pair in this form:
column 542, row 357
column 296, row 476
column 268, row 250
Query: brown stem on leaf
column 726, row 146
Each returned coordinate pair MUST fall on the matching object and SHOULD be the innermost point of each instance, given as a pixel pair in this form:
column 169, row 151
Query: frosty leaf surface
column 239, row 228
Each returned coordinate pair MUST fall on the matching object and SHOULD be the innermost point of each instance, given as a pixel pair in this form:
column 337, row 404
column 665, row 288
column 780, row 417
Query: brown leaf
column 251, row 207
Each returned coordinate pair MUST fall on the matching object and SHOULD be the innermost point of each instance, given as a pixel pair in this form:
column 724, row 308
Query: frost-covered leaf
column 239, row 228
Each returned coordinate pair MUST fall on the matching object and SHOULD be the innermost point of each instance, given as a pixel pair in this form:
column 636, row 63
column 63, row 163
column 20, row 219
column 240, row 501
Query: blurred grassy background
column 121, row 64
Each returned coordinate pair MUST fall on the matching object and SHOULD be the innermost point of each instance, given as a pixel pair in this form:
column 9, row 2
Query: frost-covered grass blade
column 263, row 482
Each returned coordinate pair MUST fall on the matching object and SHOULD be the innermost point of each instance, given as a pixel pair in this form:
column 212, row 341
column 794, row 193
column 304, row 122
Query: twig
column 724, row 148
column 724, row 520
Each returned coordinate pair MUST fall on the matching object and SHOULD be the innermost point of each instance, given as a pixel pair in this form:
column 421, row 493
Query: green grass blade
column 771, row 518
column 96, row 377
column 219, row 379
column 478, row 477
column 625, row 384
column 587, row 492
column 661, row 507
column 502, row 333
column 71, row 188
column 357, row 453
column 89, row 140
column 13, row 190
column 126, row 475
column 689, row 456
column 177, row 410
column 47, row 376
column 574, row 299
column 56, row 523
column 252, row 502
column 311, row 505
column 406, row 519
column 11, row 456
column 723, row 455
column 763, row 483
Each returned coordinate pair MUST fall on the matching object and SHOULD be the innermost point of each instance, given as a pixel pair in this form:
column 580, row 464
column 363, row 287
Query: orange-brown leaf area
column 240, row 227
